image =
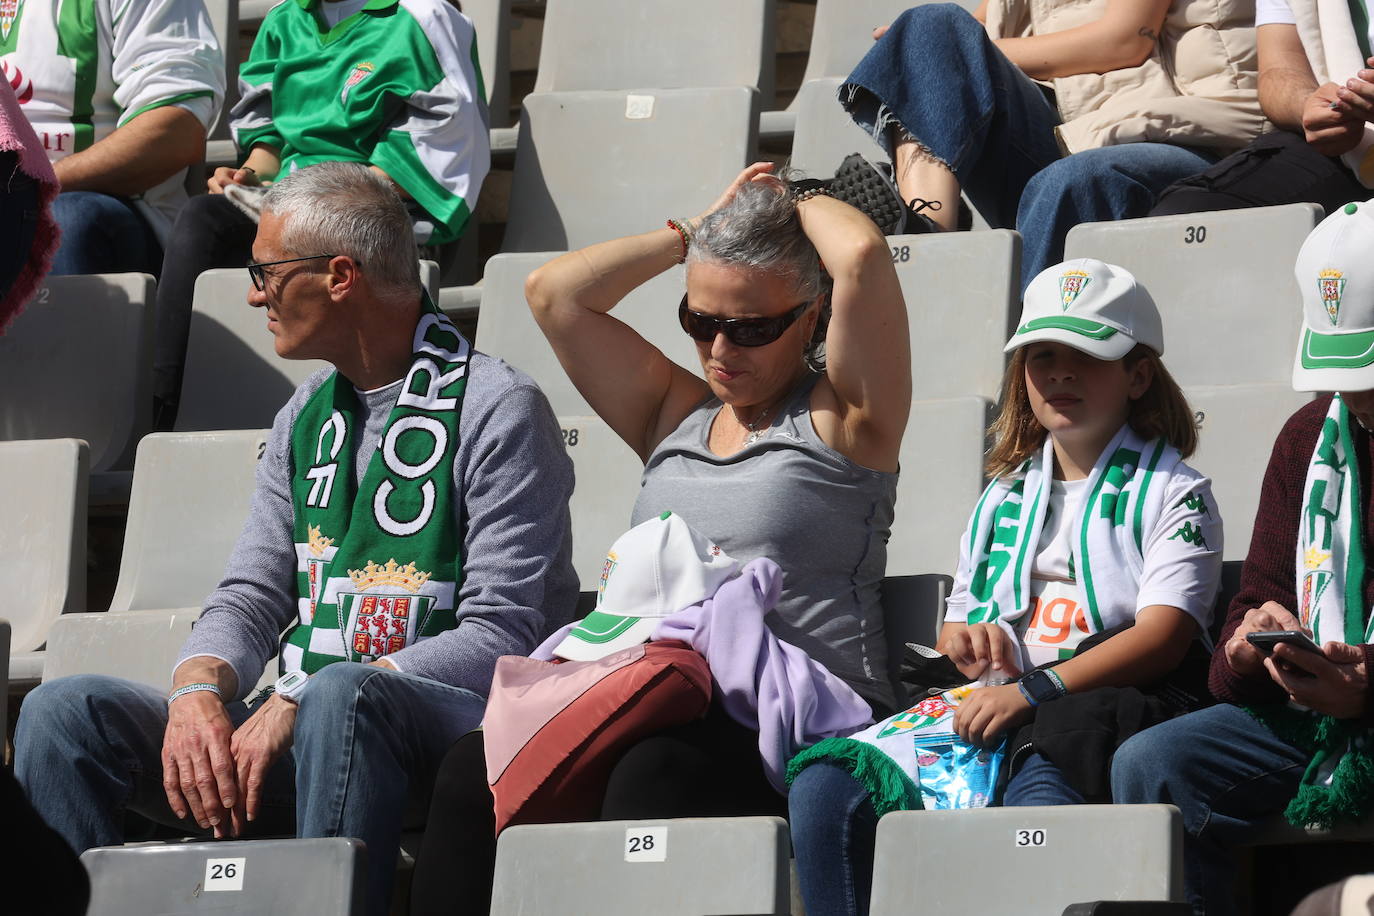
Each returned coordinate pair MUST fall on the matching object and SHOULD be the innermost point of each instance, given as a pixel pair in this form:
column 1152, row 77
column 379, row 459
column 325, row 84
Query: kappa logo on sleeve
column 1191, row 534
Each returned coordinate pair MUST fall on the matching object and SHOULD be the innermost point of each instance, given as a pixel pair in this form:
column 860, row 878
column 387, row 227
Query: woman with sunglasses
column 786, row 448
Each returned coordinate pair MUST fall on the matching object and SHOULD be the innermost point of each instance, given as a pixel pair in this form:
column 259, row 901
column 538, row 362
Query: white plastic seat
column 43, row 543
column 842, row 32
column 1045, row 859
column 1224, row 285
column 607, row 473
column 592, row 166
column 825, row 133
column 224, row 18
column 191, row 495
column 491, row 19
column 77, row 363
column 941, row 479
column 141, row 646
column 607, row 44
column 247, row 877
column 735, row 865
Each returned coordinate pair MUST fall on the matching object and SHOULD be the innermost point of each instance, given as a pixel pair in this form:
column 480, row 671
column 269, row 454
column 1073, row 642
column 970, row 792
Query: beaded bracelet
column 807, row 188
column 680, row 228
column 194, row 688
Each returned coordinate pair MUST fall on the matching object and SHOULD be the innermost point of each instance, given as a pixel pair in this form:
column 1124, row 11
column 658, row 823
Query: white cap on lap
column 1092, row 306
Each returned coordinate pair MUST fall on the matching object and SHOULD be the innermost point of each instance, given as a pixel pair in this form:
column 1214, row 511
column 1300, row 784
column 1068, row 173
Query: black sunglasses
column 259, row 278
column 742, row 332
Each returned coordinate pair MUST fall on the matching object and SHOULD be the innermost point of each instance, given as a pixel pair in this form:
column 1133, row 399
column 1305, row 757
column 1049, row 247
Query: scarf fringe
column 889, row 788
column 1349, row 797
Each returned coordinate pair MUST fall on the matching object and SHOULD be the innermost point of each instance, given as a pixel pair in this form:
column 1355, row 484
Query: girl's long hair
column 1162, row 411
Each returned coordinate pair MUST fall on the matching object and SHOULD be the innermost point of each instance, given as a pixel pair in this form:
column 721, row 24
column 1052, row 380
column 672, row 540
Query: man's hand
column 988, row 712
column 1327, row 123
column 227, row 176
column 257, row 745
column 1357, row 95
column 982, row 647
column 1334, row 683
column 197, row 763
column 1244, row 658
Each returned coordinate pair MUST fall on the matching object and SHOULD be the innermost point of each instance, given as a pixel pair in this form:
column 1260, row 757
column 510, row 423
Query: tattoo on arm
column 1147, row 32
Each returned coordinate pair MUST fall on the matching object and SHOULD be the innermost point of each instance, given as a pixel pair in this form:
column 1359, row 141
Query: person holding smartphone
column 1292, row 731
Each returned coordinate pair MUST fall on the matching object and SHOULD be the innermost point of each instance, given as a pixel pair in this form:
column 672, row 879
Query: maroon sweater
column 1269, row 574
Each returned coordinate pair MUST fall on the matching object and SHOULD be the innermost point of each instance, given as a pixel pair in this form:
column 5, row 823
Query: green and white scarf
column 378, row 564
column 1330, row 565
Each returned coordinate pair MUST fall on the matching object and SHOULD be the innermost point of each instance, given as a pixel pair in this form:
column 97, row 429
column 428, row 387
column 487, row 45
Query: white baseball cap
column 1336, row 343
column 652, row 571
column 1089, row 305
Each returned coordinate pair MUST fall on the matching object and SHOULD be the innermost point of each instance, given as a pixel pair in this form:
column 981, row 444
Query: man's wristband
column 194, row 688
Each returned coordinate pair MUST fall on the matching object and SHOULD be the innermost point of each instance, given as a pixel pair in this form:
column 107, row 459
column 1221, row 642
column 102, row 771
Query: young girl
column 1092, row 523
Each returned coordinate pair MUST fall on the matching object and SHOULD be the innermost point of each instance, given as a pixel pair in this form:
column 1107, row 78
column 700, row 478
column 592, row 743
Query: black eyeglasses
column 742, row 332
column 260, row 279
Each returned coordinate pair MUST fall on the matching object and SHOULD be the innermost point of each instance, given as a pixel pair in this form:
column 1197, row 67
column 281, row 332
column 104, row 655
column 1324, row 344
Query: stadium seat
column 77, row 362
column 224, row 17
column 941, row 477
column 245, row 877
column 825, row 132
column 1213, row 274
column 607, row 474
column 1237, row 425
column 507, row 329
column 43, row 543
column 913, row 609
column 229, row 340
column 734, row 865
column 1045, row 859
column 593, row 166
column 4, row 677
column 140, row 645
column 491, row 19
column 607, row 44
column 191, row 495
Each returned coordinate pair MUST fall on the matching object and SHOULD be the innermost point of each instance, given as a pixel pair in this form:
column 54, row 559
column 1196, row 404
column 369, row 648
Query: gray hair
column 344, row 208
column 759, row 230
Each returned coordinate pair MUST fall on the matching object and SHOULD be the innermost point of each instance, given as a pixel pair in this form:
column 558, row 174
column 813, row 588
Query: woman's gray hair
column 344, row 208
column 759, row 230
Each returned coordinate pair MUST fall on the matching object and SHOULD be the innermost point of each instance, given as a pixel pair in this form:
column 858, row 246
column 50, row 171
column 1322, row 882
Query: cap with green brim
column 1089, row 305
column 1336, row 342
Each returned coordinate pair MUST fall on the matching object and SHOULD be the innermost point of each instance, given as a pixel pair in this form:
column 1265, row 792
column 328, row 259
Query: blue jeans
column 834, row 827
column 367, row 741
column 1227, row 773
column 102, row 235
column 937, row 77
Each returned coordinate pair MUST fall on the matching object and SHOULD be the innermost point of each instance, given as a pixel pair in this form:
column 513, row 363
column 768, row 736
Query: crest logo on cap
column 1331, row 286
column 612, row 561
column 1071, row 283
column 359, row 73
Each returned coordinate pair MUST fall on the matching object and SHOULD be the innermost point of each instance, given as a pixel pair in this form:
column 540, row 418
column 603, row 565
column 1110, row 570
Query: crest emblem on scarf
column 1331, row 286
column 387, row 620
column 315, row 563
column 1313, row 585
column 1071, row 283
column 925, row 713
column 21, row 84
column 9, row 12
column 359, row 73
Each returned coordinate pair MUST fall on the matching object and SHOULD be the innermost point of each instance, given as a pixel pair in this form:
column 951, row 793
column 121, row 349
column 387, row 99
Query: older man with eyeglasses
column 410, row 525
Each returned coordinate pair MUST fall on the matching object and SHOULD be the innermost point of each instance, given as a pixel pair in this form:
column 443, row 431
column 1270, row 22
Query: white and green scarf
column 1125, row 498
column 1330, row 565
column 378, row 564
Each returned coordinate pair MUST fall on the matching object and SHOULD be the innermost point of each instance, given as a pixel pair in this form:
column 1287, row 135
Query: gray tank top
column 821, row 517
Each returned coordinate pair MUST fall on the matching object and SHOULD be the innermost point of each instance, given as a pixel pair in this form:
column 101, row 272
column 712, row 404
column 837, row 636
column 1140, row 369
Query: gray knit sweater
column 518, row 582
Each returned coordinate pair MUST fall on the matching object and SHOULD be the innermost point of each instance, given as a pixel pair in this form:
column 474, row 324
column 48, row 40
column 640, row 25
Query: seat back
column 913, row 610
column 1212, row 274
column 43, row 542
column 282, row 877
column 491, row 19
column 224, row 17
column 1045, row 859
column 825, row 132
column 607, row 473
column 593, row 166
column 77, row 363
column 941, row 478
column 4, row 677
column 606, row 44
column 191, row 494
column 141, row 646
column 842, row 32
column 507, row 329
column 735, row 865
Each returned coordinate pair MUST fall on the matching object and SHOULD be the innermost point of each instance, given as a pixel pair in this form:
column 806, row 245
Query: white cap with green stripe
column 1089, row 305
column 1336, row 343
column 652, row 571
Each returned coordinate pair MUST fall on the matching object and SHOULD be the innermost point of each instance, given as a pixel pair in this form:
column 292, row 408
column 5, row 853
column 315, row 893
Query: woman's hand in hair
column 983, row 647
column 759, row 171
column 989, row 712
column 1244, row 658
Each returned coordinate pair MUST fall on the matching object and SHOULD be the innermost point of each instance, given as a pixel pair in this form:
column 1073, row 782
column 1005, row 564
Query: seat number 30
column 1032, row 837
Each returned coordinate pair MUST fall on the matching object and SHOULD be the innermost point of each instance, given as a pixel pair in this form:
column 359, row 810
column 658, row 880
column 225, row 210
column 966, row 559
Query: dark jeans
column 1277, row 168
column 707, row 768
column 102, row 235
column 210, row 232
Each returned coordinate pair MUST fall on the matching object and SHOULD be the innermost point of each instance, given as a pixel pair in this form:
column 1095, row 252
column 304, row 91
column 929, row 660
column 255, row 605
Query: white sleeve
column 1183, row 551
column 164, row 52
column 1274, row 12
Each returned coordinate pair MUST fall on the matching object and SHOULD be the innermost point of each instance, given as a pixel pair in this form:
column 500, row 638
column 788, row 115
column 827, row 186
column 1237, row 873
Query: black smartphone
column 1267, row 640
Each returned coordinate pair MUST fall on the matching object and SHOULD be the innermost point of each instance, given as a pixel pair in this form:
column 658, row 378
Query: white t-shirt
column 1278, row 12
column 1056, row 624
